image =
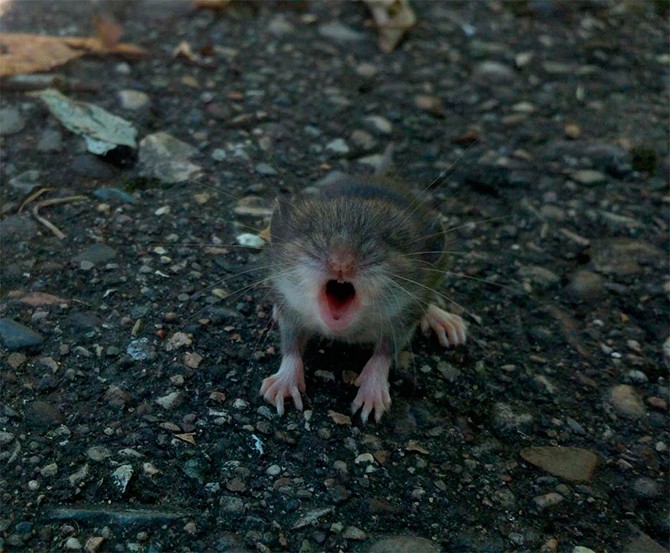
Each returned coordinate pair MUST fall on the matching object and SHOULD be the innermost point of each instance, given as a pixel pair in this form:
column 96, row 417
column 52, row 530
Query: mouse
column 361, row 261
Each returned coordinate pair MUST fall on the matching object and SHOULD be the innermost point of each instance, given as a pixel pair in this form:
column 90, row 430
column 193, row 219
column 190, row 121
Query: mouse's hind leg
column 450, row 329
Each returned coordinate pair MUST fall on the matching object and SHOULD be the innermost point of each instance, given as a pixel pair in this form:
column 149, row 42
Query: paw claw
column 450, row 329
column 289, row 381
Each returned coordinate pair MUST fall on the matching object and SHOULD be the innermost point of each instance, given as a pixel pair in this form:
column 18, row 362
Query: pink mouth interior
column 340, row 296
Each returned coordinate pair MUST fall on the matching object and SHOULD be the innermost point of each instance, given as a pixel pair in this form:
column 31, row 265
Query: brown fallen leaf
column 413, row 446
column 393, row 18
column 36, row 298
column 109, row 31
column 339, row 418
column 27, row 53
column 187, row 437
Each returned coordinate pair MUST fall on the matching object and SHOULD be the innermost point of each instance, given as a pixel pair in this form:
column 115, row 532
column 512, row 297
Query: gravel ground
column 134, row 346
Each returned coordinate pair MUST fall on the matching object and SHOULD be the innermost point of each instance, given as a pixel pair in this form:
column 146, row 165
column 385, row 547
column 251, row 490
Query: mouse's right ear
column 281, row 215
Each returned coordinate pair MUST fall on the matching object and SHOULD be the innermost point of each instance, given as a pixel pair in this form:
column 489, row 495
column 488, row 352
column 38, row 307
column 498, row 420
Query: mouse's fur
column 359, row 262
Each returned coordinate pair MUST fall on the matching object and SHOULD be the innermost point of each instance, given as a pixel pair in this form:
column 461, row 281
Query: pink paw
column 373, row 393
column 449, row 328
column 288, row 381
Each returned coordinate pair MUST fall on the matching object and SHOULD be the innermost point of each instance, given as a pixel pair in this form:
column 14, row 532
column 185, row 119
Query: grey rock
column 171, row 400
column 404, row 544
column 338, row 146
column 642, row 543
column 340, row 33
column 5, row 437
column 585, row 285
column 232, row 505
column 547, row 500
column 118, row 516
column 626, row 402
column 133, row 100
column 621, row 256
column 50, row 141
column 26, row 182
column 508, row 421
column 588, row 177
column 98, row 453
column 17, row 336
column 17, row 227
column 541, row 277
column 121, row 477
column 646, row 488
column 493, row 72
column 167, row 159
column 113, row 194
column 571, row 463
column 117, row 397
column 280, row 26
column 11, row 121
column 140, row 350
column 40, row 414
column 378, row 124
column 266, row 169
column 96, row 254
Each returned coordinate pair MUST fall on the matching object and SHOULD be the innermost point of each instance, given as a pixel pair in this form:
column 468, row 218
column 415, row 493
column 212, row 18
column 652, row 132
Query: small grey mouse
column 360, row 262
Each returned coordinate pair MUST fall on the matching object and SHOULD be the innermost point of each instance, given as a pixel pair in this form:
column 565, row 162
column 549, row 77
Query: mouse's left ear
column 281, row 216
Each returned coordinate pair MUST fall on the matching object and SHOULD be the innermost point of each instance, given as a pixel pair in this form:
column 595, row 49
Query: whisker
column 446, row 298
column 450, row 229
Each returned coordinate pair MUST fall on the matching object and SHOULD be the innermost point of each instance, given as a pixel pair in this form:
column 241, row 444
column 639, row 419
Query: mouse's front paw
column 373, row 394
column 450, row 329
column 289, row 381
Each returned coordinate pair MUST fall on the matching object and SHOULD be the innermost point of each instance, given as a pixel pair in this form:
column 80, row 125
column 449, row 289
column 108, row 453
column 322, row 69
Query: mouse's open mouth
column 339, row 297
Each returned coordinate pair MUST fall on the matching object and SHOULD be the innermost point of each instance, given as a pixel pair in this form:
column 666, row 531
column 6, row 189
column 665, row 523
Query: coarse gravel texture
column 133, row 348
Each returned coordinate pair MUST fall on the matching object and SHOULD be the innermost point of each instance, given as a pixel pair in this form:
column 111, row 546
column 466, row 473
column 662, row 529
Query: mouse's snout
column 341, row 264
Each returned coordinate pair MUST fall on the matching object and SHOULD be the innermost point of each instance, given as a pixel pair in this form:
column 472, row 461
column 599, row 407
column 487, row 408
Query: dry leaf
column 413, row 446
column 381, row 456
column 192, row 360
column 349, row 377
column 187, row 437
column 27, row 53
column 339, row 418
column 109, row 31
column 37, row 298
column 393, row 18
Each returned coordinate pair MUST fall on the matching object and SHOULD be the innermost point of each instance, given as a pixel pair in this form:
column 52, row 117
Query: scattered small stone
column 273, row 470
column 167, row 159
column 133, row 100
column 657, row 403
column 171, row 401
column 121, row 476
column 280, row 26
column 585, row 285
column 572, row 130
column 41, row 414
column 232, row 505
column 547, row 500
column 571, row 463
column 431, row 104
column 404, row 544
column 250, row 241
column 5, row 437
column 110, row 194
column 73, row 544
column 541, row 277
column 140, row 350
column 116, row 397
column 354, row 533
column 312, row 517
column 379, row 124
column 15, row 360
column 26, row 182
column 621, row 256
column 582, row 549
column 97, row 254
column 364, row 458
column 79, row 476
column 642, row 543
column 98, row 453
column 11, row 121
column 340, row 33
column 506, row 420
column 588, row 177
column 646, row 488
column 17, row 336
column 49, row 470
column 178, row 340
column 493, row 72
column 338, row 146
column 192, row 360
column 93, row 544
column 626, row 402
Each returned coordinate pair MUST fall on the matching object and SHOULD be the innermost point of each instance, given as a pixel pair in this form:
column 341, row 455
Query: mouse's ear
column 281, row 216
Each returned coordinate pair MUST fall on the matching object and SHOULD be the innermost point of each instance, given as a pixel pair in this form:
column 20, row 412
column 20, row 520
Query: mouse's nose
column 341, row 264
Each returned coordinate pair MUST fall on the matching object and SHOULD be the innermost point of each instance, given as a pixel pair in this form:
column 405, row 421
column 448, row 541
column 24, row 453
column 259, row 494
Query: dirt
column 539, row 130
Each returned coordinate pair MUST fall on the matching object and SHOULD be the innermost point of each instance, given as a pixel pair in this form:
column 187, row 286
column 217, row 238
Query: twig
column 53, row 228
